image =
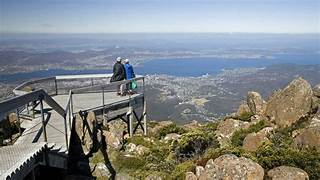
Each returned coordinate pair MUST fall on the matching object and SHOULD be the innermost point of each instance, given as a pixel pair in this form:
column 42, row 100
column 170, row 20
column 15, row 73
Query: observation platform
column 46, row 110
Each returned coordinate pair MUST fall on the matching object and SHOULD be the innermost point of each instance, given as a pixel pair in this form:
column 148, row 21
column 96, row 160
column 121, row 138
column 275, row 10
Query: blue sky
column 122, row 16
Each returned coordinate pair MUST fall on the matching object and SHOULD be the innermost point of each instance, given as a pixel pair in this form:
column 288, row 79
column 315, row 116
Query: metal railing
column 34, row 92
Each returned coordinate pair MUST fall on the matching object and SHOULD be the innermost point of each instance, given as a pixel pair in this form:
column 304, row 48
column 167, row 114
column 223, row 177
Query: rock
column 256, row 104
column 199, row 171
column 137, row 150
column 243, row 109
column 316, row 90
column 171, row 136
column 287, row 106
column 153, row 177
column 308, row 138
column 123, row 176
column 253, row 140
column 131, row 148
column 101, row 171
column 112, row 140
column 315, row 103
column 192, row 125
column 190, row 176
column 142, row 150
column 229, row 166
column 226, row 129
column 287, row 172
column 83, row 128
column 13, row 118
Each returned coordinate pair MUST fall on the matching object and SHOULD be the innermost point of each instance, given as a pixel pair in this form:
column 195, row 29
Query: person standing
column 129, row 74
column 119, row 74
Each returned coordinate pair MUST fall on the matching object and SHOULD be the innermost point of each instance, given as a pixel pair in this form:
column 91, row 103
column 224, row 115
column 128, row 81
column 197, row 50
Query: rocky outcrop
column 287, row 106
column 309, row 137
column 316, row 90
column 226, row 129
column 114, row 133
column 84, row 127
column 243, row 109
column 229, row 166
column 287, row 172
column 254, row 140
column 190, row 176
column 255, row 103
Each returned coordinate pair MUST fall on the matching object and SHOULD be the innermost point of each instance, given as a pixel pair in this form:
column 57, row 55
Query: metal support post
column 144, row 116
column 130, row 114
column 19, row 122
column 56, row 86
column 66, row 129
column 43, row 121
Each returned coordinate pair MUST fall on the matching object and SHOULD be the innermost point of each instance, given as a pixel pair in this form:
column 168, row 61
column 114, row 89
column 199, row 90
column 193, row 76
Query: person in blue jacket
column 129, row 74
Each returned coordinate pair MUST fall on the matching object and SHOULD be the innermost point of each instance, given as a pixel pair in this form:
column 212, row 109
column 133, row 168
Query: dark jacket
column 119, row 73
column 129, row 71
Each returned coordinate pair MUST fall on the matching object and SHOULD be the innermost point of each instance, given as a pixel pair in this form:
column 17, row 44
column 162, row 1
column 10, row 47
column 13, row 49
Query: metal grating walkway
column 19, row 159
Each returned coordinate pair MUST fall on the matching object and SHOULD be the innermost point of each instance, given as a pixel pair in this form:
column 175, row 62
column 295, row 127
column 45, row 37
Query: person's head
column 119, row 59
column 126, row 61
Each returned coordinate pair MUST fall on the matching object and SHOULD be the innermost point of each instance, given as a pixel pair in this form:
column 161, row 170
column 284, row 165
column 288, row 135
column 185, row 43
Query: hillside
column 274, row 139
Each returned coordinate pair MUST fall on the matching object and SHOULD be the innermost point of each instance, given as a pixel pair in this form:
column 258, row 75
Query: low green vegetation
column 172, row 128
column 246, row 116
column 238, row 136
column 171, row 160
column 270, row 156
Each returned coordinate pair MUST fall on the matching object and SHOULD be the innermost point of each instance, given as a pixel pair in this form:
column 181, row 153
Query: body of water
column 181, row 66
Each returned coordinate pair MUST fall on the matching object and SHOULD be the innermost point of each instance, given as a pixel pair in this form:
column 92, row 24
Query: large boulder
column 287, row 106
column 316, row 90
column 114, row 133
column 229, row 166
column 254, row 140
column 84, row 126
column 256, row 104
column 309, row 137
column 287, row 172
column 226, row 129
column 243, row 109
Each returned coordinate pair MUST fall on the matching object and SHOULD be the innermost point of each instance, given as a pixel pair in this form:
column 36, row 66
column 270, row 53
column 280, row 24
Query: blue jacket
column 129, row 71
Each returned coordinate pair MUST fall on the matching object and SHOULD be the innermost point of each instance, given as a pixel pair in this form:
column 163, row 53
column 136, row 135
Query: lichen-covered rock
column 256, row 104
column 316, row 90
column 112, row 140
column 287, row 106
column 226, row 129
column 192, row 125
column 131, row 148
column 153, row 177
column 308, row 138
column 253, row 140
column 199, row 171
column 142, row 150
column 229, row 166
column 171, row 136
column 287, row 172
column 190, row 176
column 83, row 128
column 243, row 109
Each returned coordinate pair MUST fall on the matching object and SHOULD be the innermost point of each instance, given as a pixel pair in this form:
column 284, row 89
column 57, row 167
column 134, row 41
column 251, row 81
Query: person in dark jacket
column 119, row 74
column 129, row 74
